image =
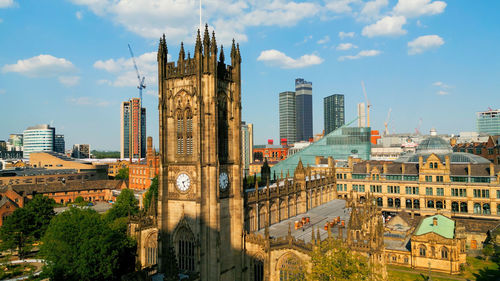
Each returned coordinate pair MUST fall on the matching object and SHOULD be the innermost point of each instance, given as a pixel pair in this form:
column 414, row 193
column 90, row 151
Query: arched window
column 454, row 207
column 185, row 249
column 390, row 202
column 152, row 249
column 416, row 204
column 379, row 202
column 477, row 208
column 397, row 202
column 222, row 129
column 291, row 268
column 439, row 204
column 189, row 132
column 463, row 207
column 408, row 203
column 422, row 250
column 180, row 132
column 486, row 209
column 258, row 270
column 444, row 253
column 430, row 204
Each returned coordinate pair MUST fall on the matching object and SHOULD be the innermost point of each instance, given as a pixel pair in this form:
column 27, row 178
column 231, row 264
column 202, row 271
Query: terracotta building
column 269, row 151
column 141, row 173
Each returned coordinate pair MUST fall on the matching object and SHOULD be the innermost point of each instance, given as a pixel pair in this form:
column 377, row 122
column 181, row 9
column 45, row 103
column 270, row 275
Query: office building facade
column 287, row 116
column 133, row 129
column 59, row 144
column 303, row 110
column 15, row 142
column 489, row 122
column 246, row 146
column 334, row 113
column 38, row 138
column 361, row 115
column 81, row 151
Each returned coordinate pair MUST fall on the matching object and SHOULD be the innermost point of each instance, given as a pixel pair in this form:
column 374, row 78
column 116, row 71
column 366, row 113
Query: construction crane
column 368, row 105
column 417, row 129
column 141, row 81
column 386, row 131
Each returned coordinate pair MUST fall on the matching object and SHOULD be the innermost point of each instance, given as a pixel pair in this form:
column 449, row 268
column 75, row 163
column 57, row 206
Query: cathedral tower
column 200, row 195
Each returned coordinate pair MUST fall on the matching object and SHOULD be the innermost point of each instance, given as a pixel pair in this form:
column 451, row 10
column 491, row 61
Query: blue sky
column 67, row 62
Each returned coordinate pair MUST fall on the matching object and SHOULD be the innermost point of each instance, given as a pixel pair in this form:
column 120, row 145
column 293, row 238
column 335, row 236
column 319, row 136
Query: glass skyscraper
column 133, row 129
column 38, row 138
column 303, row 110
column 333, row 112
column 489, row 122
column 287, row 116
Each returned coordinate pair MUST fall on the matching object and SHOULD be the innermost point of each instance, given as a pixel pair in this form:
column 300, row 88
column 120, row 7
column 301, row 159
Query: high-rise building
column 81, row 151
column 489, row 122
column 361, row 115
column 15, row 142
column 38, row 138
column 133, row 129
column 303, row 110
column 287, row 116
column 59, row 144
column 246, row 146
column 333, row 112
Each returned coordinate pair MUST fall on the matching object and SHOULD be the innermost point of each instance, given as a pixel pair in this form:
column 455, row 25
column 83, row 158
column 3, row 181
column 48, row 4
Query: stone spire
column 182, row 55
column 206, row 41
column 197, row 46
column 221, row 56
column 214, row 45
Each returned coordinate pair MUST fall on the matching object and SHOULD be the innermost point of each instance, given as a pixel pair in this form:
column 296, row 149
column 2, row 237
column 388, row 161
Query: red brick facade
column 141, row 174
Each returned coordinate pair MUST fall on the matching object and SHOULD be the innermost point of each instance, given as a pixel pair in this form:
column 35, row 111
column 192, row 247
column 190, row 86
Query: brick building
column 141, row 174
column 489, row 150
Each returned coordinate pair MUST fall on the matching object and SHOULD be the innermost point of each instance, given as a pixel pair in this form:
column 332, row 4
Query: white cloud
column 124, row 72
column 69, row 80
column 340, row 6
column 79, row 15
column 343, row 35
column 346, row 46
column 6, row 3
column 324, row 40
column 361, row 54
column 442, row 93
column 371, row 10
column 88, row 101
column 387, row 26
column 277, row 58
column 415, row 8
column 179, row 19
column 42, row 66
column 424, row 43
column 2, row 91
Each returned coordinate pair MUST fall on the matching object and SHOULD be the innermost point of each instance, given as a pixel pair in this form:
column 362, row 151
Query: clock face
column 183, row 182
column 223, row 181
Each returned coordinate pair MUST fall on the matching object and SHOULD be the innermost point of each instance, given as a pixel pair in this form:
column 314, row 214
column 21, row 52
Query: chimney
column 349, row 161
column 318, row 160
column 270, row 141
column 447, row 160
column 367, row 167
column 434, row 221
column 384, row 168
column 492, row 170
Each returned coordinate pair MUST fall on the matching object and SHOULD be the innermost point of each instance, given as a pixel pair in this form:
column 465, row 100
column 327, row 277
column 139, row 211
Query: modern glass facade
column 489, row 122
column 59, row 144
column 339, row 144
column 333, row 112
column 133, row 129
column 303, row 110
column 287, row 116
column 38, row 138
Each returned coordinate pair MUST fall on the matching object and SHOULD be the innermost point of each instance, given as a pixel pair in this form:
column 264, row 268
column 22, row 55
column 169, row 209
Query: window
column 486, row 209
column 428, row 191
column 490, row 151
column 431, row 165
column 454, row 207
column 393, row 189
column 498, row 194
column 380, row 202
column 390, row 202
column 478, row 150
column 440, row 191
column 359, row 176
column 258, row 270
column 185, row 250
column 393, row 177
column 291, row 269
column 180, row 132
column 458, row 179
column 410, row 178
column 422, row 251
column 477, row 208
column 428, row 178
column 411, row 190
column 376, row 188
column 430, row 204
column 439, row 178
column 459, row 192
column 481, row 193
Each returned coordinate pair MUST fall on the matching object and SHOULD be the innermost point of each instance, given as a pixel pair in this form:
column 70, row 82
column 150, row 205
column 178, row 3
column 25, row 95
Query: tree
column 122, row 174
column 27, row 224
column 332, row 260
column 151, row 194
column 125, row 205
column 80, row 245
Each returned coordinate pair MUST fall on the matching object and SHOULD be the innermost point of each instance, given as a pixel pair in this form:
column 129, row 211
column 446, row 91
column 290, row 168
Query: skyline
column 77, row 77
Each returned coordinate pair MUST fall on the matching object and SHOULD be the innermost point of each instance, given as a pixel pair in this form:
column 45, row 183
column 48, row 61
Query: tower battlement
column 204, row 60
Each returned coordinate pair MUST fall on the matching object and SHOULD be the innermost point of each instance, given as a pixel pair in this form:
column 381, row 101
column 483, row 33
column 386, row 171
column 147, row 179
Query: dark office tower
column 287, row 116
column 303, row 109
column 334, row 112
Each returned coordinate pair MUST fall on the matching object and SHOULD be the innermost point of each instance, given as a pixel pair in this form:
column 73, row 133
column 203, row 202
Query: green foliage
column 80, row 245
column 171, row 269
column 122, row 174
column 332, row 260
column 125, row 204
column 27, row 225
column 79, row 199
column 151, row 194
column 105, row 154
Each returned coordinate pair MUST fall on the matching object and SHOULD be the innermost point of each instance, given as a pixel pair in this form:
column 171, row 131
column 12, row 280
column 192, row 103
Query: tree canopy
column 151, row 194
column 80, row 245
column 332, row 260
column 122, row 174
column 27, row 224
column 125, row 204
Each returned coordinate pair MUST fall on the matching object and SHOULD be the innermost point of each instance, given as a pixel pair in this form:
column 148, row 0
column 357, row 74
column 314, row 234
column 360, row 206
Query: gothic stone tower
column 200, row 196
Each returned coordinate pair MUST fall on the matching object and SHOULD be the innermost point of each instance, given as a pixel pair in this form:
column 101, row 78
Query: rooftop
column 444, row 227
column 318, row 217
